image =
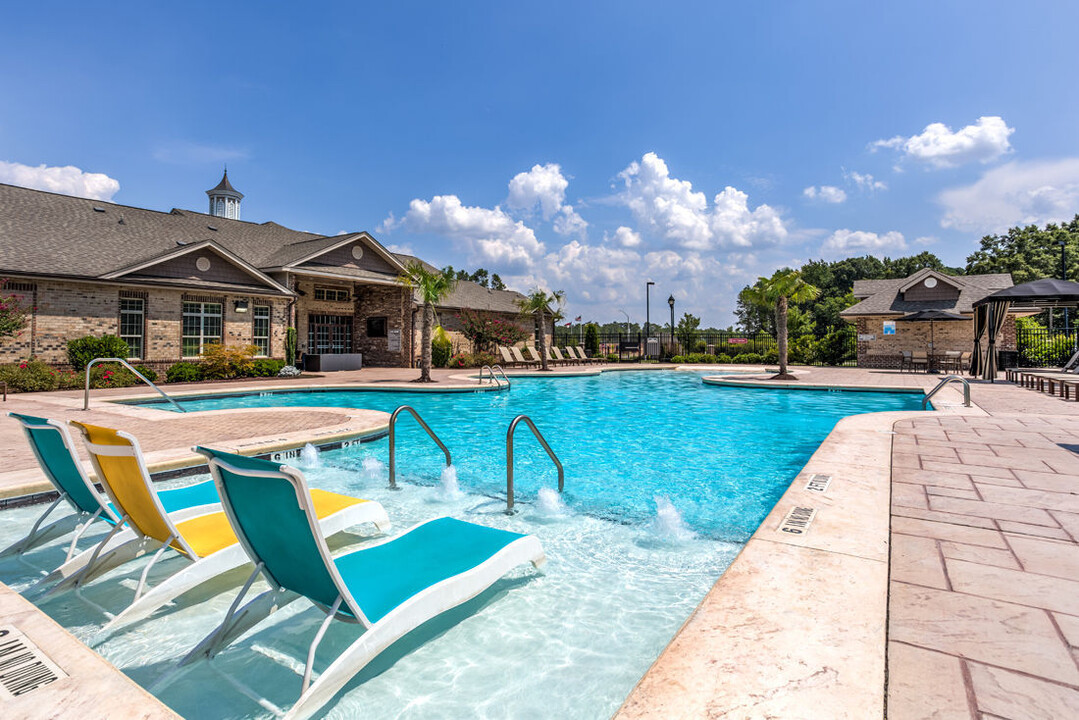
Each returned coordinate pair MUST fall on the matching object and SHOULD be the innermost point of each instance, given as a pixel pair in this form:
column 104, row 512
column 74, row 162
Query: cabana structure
column 990, row 313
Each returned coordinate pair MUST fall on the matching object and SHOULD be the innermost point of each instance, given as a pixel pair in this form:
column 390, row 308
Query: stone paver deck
column 984, row 590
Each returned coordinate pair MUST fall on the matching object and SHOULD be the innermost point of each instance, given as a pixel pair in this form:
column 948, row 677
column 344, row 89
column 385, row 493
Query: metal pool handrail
column 491, row 371
column 944, row 381
column 509, row 458
column 140, row 376
column 502, row 373
column 393, row 441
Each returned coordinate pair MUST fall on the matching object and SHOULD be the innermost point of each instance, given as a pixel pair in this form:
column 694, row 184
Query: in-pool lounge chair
column 55, row 452
column 389, row 589
column 206, row 541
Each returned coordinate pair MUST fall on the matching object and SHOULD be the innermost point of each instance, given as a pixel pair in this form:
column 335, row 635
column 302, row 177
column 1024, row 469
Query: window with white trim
column 201, row 327
column 332, row 294
column 260, row 335
column 132, row 325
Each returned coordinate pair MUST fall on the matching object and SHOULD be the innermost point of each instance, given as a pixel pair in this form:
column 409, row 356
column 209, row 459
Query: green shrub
column 771, row 355
column 612, row 357
column 723, row 359
column 471, row 360
column 837, row 347
column 694, row 359
column 183, row 372
column 1053, row 352
column 748, row 358
column 81, row 351
column 149, row 373
column 29, row 376
column 802, row 350
column 265, row 367
column 441, row 348
column 224, row 362
column 591, row 339
column 290, row 346
column 105, row 376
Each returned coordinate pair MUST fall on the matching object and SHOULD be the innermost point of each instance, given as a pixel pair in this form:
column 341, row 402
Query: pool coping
column 797, row 624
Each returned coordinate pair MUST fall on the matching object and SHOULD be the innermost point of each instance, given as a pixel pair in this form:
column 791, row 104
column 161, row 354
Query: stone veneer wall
column 390, row 301
column 67, row 310
column 884, row 351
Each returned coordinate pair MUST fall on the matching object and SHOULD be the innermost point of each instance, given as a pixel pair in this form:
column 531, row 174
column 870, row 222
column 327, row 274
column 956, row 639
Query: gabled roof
column 885, row 297
column 145, row 268
column 467, row 294
column 295, row 255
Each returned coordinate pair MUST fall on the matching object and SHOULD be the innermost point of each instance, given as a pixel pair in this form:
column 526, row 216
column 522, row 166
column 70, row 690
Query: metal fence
column 838, row 346
column 1039, row 347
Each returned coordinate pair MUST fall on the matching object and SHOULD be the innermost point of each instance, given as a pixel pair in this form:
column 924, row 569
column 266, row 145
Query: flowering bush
column 12, row 314
column 472, row 360
column 29, row 376
column 485, row 329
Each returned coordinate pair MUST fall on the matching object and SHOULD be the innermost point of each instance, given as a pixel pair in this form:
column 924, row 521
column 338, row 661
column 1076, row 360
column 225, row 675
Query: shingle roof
column 882, row 296
column 225, row 187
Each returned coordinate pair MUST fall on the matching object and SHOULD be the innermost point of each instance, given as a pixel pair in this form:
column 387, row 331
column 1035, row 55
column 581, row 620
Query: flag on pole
column 569, row 324
column 577, row 319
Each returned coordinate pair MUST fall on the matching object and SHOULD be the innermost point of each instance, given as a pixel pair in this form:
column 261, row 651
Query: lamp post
column 670, row 301
column 647, row 315
column 1063, row 276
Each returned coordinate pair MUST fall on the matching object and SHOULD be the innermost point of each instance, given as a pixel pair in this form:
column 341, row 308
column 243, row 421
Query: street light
column 1063, row 276
column 670, row 301
column 647, row 315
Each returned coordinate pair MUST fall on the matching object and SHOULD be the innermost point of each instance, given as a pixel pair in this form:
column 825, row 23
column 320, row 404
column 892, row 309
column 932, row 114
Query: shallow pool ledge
column 795, row 628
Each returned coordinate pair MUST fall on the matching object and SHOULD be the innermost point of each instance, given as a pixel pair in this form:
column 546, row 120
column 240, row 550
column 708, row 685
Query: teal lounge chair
column 389, row 589
column 53, row 447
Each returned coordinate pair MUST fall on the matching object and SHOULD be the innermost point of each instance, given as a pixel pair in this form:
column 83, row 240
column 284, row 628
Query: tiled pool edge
column 796, row 626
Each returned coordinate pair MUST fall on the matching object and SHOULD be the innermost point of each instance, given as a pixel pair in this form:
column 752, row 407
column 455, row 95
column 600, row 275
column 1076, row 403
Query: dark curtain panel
column 981, row 314
column 998, row 310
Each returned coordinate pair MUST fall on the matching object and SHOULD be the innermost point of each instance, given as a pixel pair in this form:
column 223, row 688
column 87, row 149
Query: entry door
column 329, row 334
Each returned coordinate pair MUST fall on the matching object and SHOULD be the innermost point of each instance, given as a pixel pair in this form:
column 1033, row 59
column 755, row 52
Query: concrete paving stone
column 960, row 481
column 1027, row 497
column 1046, row 557
column 1017, row 586
column 917, row 560
column 952, row 492
column 908, row 495
column 1017, row 637
column 1049, row 481
column 1066, row 463
column 1019, row 697
column 979, row 554
column 941, row 450
column 948, row 531
column 996, row 511
column 906, row 460
column 1023, row 462
column 1069, row 627
column 987, row 470
column 1040, row 531
column 925, row 685
column 1069, row 522
column 942, row 517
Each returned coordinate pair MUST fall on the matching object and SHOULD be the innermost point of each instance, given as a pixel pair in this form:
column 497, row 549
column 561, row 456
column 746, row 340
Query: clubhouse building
column 171, row 283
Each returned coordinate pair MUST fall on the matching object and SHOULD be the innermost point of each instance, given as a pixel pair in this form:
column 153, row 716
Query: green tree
column 496, row 282
column 779, row 291
column 432, row 287
column 537, row 305
column 591, row 339
column 686, row 330
column 1028, row 253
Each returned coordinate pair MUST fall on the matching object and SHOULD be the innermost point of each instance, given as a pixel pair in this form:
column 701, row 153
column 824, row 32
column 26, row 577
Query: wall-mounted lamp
column 240, row 306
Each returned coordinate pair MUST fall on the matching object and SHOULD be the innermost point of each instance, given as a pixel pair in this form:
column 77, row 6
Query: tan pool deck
column 937, row 575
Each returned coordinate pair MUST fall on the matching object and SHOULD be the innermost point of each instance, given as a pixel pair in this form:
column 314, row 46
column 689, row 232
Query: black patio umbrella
column 932, row 316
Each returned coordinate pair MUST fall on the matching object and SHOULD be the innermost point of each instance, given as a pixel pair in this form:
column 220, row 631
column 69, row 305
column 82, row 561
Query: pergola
column 990, row 311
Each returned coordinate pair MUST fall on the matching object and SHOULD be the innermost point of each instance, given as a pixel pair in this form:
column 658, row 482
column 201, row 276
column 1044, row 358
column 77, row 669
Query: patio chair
column 206, row 541
column 558, row 357
column 905, row 360
column 951, row 361
column 571, row 355
column 507, row 358
column 389, row 589
column 520, row 359
column 584, row 357
column 54, row 450
column 919, row 358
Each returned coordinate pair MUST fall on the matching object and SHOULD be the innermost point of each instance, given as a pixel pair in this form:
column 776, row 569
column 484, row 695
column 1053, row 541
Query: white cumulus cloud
column 939, row 147
column 670, row 208
column 1017, row 193
column 864, row 182
column 487, row 235
column 825, row 193
column 67, row 180
column 627, row 237
column 859, row 242
column 545, row 186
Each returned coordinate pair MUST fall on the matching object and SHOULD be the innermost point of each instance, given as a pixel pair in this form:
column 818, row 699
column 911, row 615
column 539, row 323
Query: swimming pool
column 665, row 480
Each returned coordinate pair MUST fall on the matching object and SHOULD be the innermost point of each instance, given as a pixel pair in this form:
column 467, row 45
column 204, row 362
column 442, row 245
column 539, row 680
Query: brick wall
column 884, row 350
column 392, row 302
column 67, row 310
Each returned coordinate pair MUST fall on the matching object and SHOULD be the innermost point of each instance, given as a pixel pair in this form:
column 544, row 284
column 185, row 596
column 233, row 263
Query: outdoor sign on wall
column 737, row 341
column 889, row 327
column 393, row 341
column 863, row 338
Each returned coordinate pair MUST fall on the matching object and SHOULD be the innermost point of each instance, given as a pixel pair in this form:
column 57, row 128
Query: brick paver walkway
column 984, row 592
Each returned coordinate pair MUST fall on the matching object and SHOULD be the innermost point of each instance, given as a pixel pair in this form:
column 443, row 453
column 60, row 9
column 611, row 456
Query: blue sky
column 578, row 146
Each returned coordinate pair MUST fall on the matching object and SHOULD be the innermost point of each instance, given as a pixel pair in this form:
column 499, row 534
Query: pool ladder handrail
column 140, row 376
column 509, row 458
column 393, row 441
column 491, row 371
column 944, row 381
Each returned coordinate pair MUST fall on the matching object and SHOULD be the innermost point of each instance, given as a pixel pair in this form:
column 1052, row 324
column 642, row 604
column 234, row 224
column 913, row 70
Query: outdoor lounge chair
column 521, row 358
column 558, row 356
column 206, row 540
column 571, row 355
column 55, row 452
column 390, row 589
column 507, row 358
column 584, row 357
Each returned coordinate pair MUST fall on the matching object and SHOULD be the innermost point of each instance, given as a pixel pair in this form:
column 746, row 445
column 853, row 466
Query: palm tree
column 536, row 306
column 432, row 286
column 778, row 292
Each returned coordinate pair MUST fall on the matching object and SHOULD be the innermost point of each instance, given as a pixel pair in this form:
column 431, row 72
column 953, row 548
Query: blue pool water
column 665, row 480
column 722, row 456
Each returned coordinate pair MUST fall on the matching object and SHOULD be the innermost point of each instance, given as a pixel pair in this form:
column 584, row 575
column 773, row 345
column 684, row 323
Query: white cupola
column 225, row 199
